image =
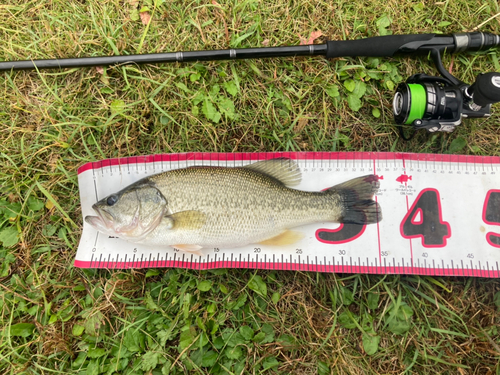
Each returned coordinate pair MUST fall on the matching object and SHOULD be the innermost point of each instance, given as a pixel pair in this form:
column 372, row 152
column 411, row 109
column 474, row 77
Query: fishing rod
column 425, row 102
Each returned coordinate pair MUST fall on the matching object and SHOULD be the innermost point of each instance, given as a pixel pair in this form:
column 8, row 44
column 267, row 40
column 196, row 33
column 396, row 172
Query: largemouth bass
column 198, row 207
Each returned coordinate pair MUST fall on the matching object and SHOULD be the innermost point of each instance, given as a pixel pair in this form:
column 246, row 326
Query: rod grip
column 378, row 46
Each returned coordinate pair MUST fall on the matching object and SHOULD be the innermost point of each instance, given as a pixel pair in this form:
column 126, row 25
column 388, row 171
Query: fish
column 201, row 207
column 403, row 178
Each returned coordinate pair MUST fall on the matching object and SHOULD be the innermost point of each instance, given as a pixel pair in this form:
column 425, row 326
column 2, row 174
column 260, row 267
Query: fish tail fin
column 356, row 196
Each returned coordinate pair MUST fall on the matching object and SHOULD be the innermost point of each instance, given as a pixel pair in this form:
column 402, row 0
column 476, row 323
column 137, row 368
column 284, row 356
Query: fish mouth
column 103, row 222
column 134, row 230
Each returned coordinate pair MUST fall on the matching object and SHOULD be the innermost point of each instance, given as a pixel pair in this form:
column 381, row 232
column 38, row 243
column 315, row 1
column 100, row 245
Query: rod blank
column 228, row 54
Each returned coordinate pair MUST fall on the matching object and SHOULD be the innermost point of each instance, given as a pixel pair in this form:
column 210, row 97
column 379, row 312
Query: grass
column 56, row 319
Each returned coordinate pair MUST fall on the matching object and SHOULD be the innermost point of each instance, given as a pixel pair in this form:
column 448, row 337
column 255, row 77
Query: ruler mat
column 441, row 216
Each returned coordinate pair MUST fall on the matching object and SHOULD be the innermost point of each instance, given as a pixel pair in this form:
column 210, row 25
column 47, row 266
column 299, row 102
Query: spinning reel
column 438, row 104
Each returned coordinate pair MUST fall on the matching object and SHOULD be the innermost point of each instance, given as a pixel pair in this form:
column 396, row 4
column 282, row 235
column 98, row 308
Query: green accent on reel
column 418, row 102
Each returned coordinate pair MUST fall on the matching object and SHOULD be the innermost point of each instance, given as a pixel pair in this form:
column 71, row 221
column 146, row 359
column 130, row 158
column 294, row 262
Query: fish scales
column 240, row 204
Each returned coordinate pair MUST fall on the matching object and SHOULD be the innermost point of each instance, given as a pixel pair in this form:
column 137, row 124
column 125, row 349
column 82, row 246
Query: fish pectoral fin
column 284, row 170
column 286, row 238
column 194, row 249
column 187, row 220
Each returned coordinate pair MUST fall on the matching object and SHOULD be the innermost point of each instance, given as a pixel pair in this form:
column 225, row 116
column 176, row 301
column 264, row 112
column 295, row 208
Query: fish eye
column 112, row 199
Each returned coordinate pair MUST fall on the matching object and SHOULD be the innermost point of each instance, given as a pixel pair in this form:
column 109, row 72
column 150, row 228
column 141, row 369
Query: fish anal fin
column 288, row 237
column 193, row 249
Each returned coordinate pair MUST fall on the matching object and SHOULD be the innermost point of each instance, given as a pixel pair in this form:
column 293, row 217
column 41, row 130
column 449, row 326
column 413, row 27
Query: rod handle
column 378, row 46
column 389, row 45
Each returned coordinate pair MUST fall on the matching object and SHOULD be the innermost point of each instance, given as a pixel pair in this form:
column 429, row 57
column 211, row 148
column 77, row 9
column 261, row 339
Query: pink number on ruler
column 430, row 225
column 491, row 215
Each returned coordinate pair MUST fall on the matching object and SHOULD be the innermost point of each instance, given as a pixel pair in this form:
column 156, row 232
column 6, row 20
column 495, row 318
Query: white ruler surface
column 441, row 216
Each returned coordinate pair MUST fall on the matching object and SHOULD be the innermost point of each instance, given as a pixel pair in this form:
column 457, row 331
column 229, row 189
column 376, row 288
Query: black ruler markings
column 349, row 265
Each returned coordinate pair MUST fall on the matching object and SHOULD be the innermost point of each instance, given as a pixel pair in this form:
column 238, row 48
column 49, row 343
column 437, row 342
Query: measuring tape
column 441, row 216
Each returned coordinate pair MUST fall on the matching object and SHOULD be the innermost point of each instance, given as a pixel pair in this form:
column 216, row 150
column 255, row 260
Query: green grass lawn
column 55, row 319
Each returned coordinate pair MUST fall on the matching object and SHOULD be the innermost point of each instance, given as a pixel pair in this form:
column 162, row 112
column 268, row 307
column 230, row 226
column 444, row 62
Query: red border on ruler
column 254, row 156
column 390, row 269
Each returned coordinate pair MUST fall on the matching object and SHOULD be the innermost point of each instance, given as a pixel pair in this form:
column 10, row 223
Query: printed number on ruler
column 425, row 219
column 491, row 215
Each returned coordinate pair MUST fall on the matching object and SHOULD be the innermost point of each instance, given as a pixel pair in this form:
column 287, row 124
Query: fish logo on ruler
column 441, row 216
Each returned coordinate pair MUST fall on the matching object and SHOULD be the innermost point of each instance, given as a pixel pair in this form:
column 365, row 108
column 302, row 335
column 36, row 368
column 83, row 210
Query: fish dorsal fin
column 187, row 220
column 284, row 170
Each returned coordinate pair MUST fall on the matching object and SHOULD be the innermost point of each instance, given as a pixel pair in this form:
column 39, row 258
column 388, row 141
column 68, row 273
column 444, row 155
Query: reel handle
column 486, row 89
